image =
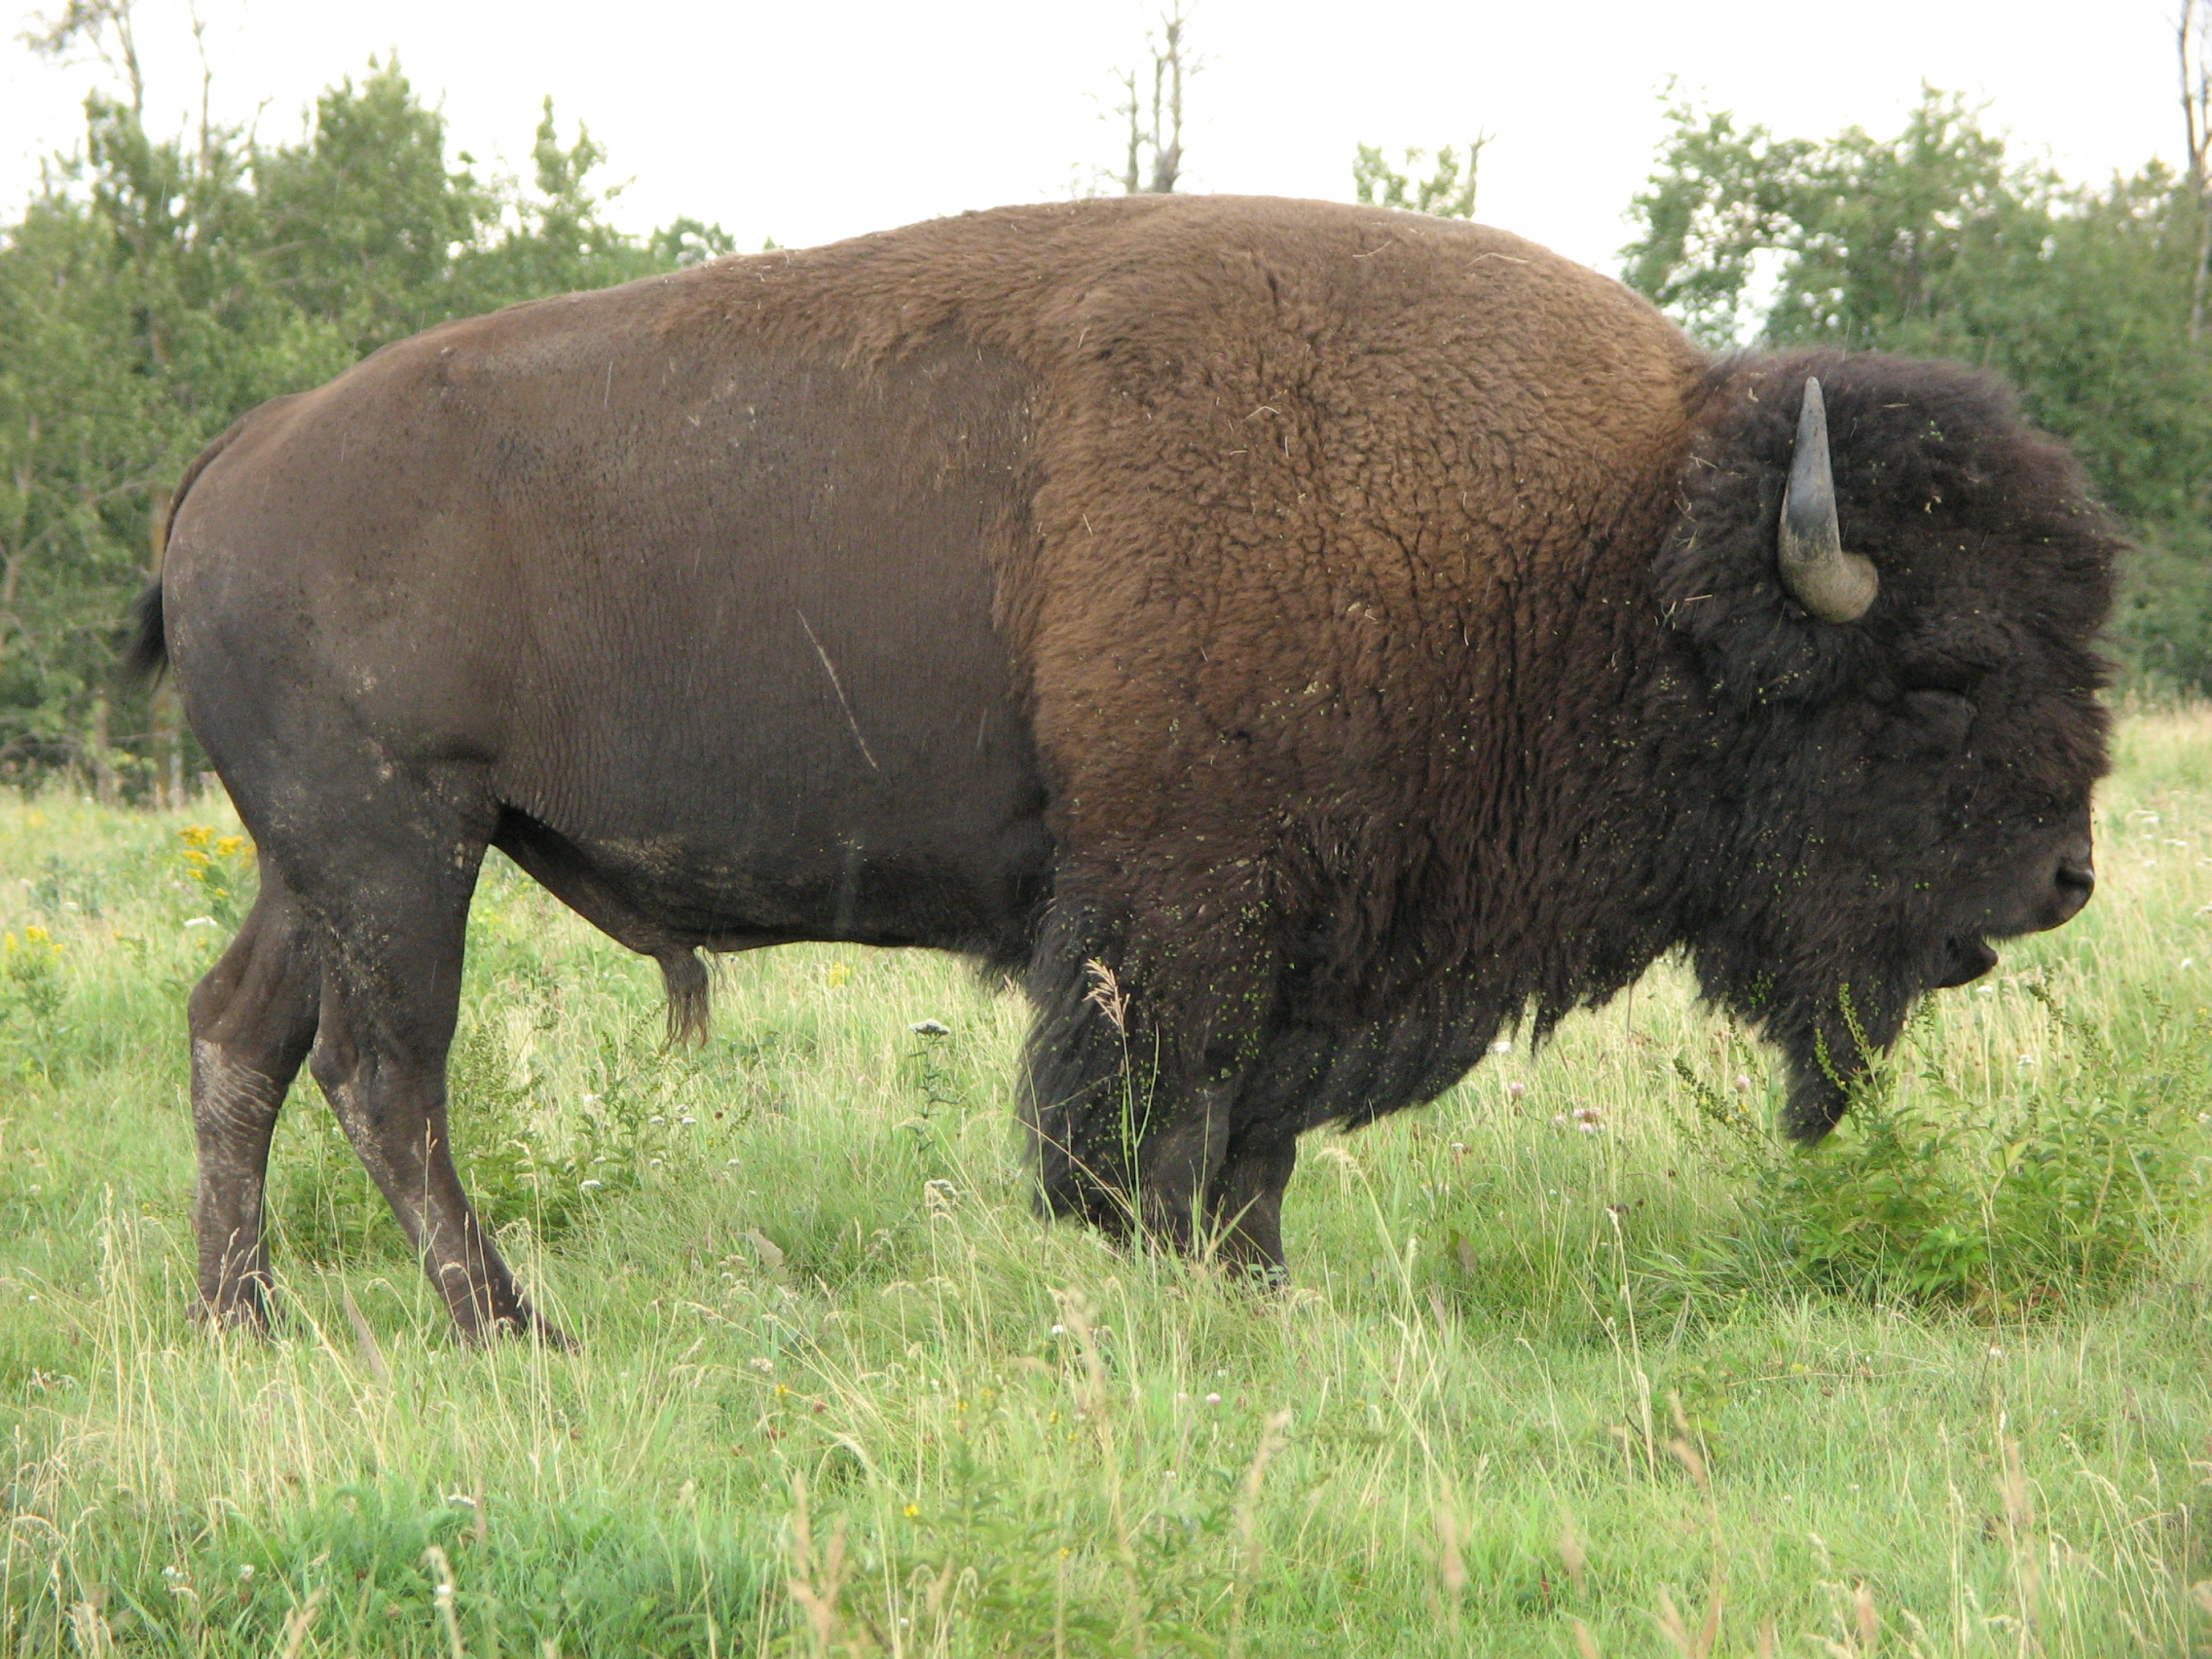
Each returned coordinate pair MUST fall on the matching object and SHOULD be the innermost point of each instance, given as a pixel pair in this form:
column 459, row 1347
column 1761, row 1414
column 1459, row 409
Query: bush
column 1927, row 1195
column 523, row 1155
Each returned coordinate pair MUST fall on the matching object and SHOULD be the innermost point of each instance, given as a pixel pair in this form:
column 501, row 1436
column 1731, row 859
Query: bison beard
column 1304, row 640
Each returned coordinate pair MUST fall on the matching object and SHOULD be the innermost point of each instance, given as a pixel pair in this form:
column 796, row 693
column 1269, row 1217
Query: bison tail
column 690, row 1018
column 148, row 653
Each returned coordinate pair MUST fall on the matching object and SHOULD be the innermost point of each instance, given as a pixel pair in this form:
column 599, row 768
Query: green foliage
column 156, row 289
column 1881, row 240
column 31, row 1031
column 1448, row 192
column 1935, row 244
column 839, row 1389
column 589, row 1576
column 1931, row 1194
column 363, row 224
column 219, row 869
column 525, row 1156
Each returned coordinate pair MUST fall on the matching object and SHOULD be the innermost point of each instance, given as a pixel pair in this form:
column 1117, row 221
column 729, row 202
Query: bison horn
column 1835, row 586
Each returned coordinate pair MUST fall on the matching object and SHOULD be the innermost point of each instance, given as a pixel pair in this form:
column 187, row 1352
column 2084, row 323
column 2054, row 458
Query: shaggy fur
column 1389, row 609
column 1404, row 638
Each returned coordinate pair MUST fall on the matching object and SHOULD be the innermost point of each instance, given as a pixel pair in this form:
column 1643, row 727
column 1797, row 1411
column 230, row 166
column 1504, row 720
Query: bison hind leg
column 391, row 890
column 252, row 1020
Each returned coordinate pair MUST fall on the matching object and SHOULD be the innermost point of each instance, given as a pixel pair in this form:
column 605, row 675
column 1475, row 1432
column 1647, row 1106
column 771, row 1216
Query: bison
column 1300, row 640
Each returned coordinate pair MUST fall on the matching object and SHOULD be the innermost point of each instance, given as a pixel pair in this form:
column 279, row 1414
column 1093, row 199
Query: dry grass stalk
column 365, row 1340
column 1585, row 1643
column 1451, row 1567
column 1861, row 1632
column 1247, row 1526
column 443, row 1593
column 95, row 1639
column 769, row 1253
column 1107, row 996
column 1091, row 1395
column 1060, row 1605
column 1706, row 1640
column 1091, row 1398
column 816, row 1590
column 1571, row 1552
column 2019, row 1517
column 1864, row 1618
column 301, row 1620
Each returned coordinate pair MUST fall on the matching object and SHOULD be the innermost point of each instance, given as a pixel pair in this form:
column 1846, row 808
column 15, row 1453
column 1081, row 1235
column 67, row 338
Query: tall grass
column 1576, row 1360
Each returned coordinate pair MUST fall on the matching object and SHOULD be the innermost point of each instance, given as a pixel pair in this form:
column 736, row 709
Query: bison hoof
column 527, row 1326
column 241, row 1312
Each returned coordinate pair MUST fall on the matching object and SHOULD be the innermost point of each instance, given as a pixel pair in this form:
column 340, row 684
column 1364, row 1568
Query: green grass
column 1940, row 1388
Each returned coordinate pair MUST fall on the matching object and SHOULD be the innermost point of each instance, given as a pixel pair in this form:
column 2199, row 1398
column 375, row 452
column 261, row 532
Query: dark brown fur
column 1369, row 624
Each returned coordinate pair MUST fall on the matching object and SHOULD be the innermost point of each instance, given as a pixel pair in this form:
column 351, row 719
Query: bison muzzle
column 1301, row 640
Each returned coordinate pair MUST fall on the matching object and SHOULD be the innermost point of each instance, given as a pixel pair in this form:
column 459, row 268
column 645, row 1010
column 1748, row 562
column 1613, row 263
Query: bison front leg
column 1245, row 1207
column 252, row 1020
column 1135, row 1157
column 1131, row 1091
column 1178, row 1163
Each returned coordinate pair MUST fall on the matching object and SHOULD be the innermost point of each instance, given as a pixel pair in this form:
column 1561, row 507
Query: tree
column 364, row 222
column 156, row 289
column 1933, row 243
column 1870, row 233
column 1447, row 192
column 1155, row 129
column 2190, row 30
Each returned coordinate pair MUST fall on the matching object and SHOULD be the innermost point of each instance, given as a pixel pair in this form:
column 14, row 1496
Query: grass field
column 1576, row 1361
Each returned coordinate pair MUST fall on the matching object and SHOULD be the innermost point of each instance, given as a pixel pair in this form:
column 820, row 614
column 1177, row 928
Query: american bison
column 1301, row 641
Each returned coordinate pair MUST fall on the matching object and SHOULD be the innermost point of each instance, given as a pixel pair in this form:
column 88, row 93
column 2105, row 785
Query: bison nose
column 2076, row 878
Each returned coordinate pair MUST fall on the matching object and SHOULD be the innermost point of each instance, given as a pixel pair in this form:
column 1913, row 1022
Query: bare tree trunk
column 1163, row 133
column 2204, row 268
column 103, row 763
column 1131, row 176
column 1167, row 76
column 2197, row 115
column 10, row 566
column 169, row 750
column 175, row 758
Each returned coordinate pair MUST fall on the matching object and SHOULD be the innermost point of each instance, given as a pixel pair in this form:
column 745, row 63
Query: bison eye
column 1934, row 721
column 1943, row 674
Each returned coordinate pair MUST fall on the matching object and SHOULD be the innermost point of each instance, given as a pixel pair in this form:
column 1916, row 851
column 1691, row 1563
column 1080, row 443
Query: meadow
column 1577, row 1361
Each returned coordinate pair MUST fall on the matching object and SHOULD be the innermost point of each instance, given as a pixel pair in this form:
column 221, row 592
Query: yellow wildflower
column 33, row 937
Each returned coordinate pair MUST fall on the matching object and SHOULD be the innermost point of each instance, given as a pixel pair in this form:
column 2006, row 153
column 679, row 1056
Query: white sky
column 809, row 122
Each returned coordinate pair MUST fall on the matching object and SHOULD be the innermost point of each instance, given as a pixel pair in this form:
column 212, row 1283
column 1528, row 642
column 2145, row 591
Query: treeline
column 155, row 289
column 2089, row 299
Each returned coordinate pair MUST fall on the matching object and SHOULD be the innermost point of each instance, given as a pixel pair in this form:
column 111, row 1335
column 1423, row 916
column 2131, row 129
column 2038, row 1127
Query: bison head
column 1890, row 726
